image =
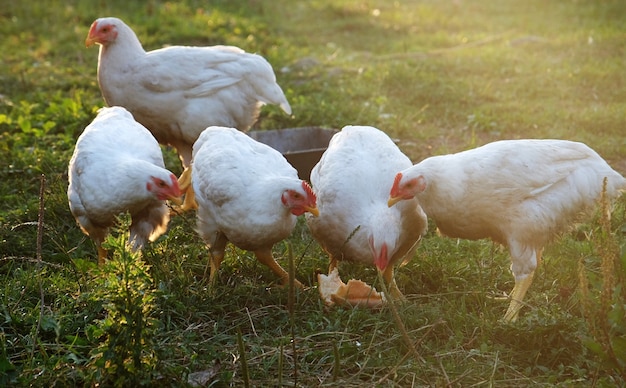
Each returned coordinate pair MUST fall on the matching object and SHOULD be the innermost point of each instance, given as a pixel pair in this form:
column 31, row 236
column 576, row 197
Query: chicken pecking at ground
column 352, row 182
column 117, row 167
column 176, row 92
column 519, row 193
column 247, row 194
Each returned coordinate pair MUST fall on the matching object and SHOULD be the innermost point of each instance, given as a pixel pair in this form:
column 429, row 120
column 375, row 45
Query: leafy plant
column 603, row 293
column 126, row 356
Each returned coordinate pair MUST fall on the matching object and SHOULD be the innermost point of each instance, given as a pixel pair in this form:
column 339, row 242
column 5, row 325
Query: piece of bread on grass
column 354, row 293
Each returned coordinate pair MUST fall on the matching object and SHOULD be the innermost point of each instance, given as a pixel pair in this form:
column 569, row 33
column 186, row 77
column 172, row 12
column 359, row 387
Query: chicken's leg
column 392, row 287
column 265, row 257
column 215, row 258
column 517, row 296
column 519, row 291
column 184, row 182
column 332, row 265
column 102, row 255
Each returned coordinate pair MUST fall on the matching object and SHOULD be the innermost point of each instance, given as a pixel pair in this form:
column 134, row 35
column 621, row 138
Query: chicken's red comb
column 309, row 190
column 395, row 189
column 93, row 26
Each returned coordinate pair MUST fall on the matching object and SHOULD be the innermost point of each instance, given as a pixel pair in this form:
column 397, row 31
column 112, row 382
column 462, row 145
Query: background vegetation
column 439, row 76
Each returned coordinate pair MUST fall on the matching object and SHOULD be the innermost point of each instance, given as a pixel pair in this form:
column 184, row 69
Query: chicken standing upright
column 176, row 92
column 352, row 182
column 117, row 167
column 247, row 194
column 519, row 193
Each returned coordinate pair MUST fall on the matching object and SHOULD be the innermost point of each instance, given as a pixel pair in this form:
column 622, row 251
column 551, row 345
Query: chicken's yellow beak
column 393, row 200
column 313, row 210
column 90, row 41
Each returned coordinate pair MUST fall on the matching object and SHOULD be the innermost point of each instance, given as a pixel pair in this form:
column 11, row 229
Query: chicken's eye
column 160, row 183
column 411, row 184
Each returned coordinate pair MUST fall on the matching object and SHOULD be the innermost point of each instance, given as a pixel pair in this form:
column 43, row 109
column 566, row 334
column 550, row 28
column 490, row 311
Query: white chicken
column 117, row 166
column 176, row 92
column 247, row 194
column 352, row 182
column 519, row 193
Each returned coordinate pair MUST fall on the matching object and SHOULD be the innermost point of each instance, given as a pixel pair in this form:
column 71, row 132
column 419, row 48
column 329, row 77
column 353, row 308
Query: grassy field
column 438, row 76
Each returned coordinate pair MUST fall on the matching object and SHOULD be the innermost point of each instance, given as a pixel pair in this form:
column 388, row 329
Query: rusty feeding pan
column 302, row 147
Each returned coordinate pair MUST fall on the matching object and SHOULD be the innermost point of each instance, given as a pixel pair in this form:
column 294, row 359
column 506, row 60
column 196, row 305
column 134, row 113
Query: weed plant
column 603, row 294
column 126, row 352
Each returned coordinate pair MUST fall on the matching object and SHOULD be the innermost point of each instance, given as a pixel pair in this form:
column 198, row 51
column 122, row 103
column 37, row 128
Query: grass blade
column 242, row 359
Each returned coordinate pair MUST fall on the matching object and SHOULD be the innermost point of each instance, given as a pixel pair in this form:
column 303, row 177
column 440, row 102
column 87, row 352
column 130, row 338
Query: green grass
column 439, row 76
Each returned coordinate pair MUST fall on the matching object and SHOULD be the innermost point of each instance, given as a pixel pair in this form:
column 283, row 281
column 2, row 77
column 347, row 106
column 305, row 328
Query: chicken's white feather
column 114, row 160
column 352, row 182
column 178, row 91
column 520, row 193
column 239, row 185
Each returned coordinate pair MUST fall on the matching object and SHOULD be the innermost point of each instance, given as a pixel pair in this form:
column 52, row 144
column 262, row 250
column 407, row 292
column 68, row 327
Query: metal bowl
column 302, row 147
